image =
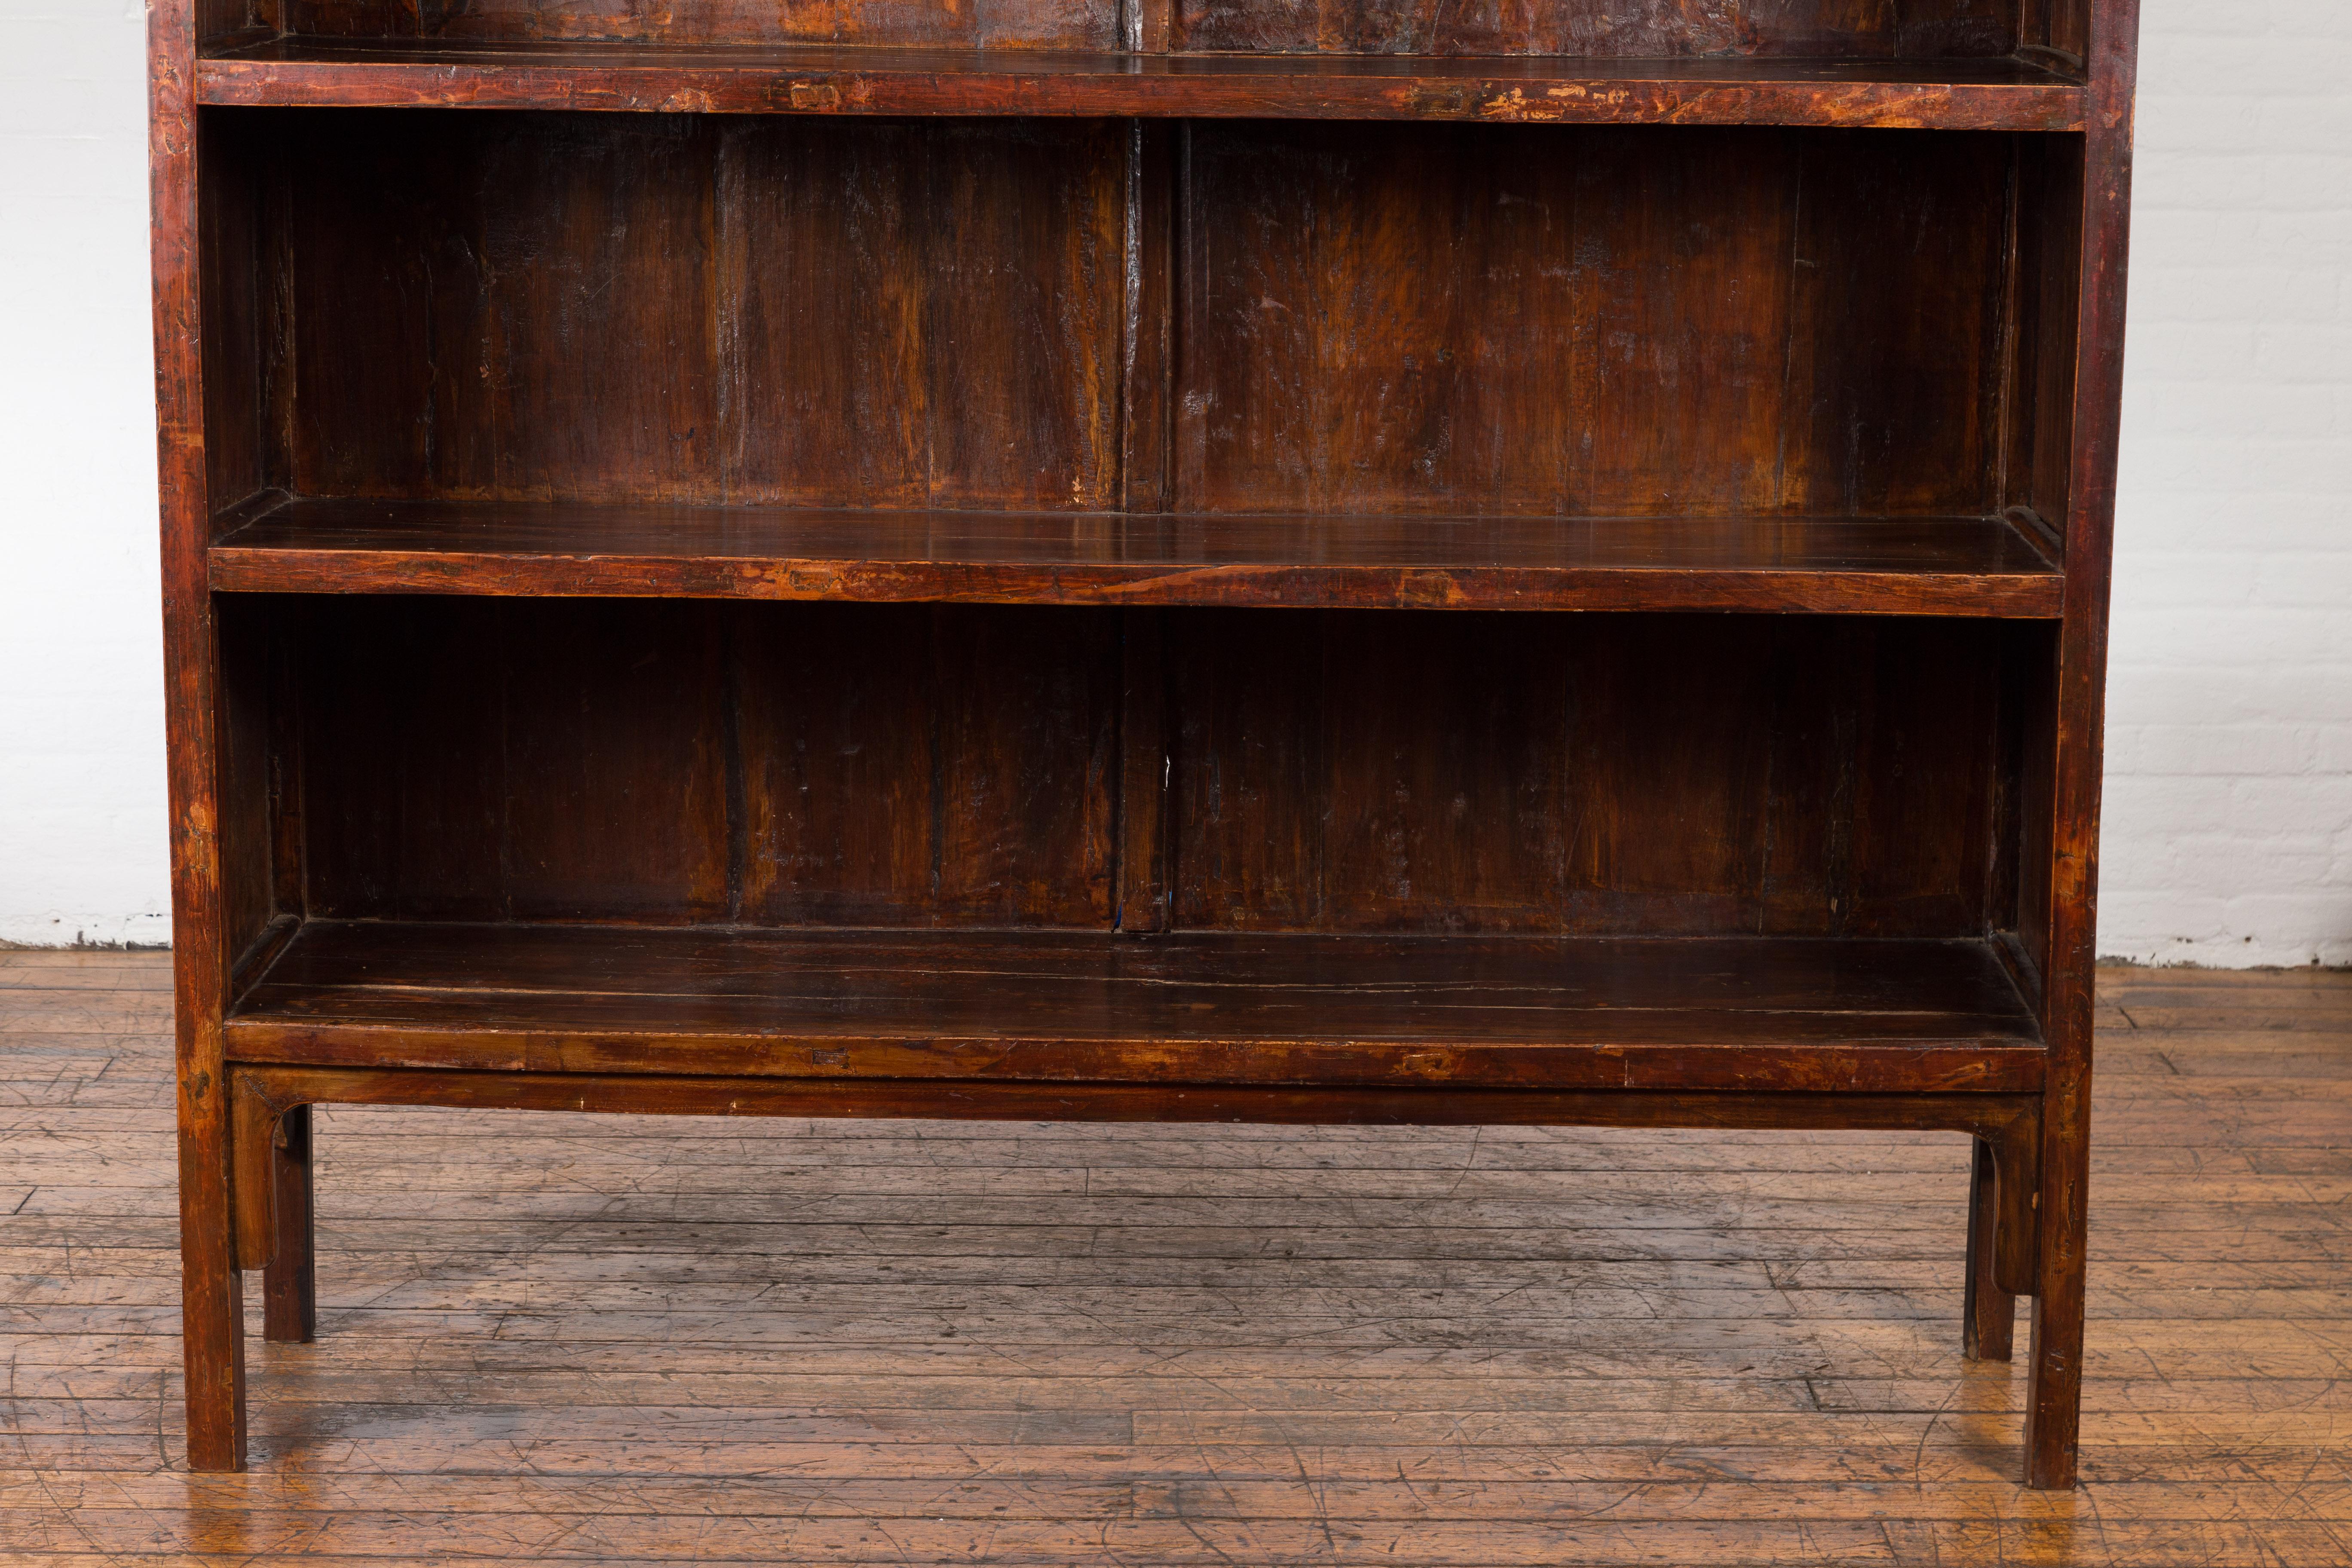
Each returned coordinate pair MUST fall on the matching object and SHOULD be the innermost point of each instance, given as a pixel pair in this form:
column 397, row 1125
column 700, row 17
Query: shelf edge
column 1006, row 88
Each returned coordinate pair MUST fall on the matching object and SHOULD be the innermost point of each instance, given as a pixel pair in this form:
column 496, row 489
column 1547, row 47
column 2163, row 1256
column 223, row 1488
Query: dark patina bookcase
column 1188, row 560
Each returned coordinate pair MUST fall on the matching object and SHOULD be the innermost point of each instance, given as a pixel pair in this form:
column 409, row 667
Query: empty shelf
column 1535, row 1013
column 1908, row 565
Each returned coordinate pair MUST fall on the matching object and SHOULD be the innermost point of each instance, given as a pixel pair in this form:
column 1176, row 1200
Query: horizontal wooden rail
column 1895, row 565
column 1974, row 94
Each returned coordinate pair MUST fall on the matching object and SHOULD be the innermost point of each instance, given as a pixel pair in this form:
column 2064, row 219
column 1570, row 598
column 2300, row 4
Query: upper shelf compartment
column 1999, row 94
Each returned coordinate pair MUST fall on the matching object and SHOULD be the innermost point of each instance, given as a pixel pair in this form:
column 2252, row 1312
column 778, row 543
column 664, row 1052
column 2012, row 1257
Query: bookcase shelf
column 1711, row 1014
column 1976, row 94
column 906, row 577
column 1910, row 565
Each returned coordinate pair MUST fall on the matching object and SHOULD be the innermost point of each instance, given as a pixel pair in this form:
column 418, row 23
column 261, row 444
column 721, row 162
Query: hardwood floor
column 610, row 1340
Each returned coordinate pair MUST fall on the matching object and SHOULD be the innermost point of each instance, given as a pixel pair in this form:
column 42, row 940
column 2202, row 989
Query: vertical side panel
column 1897, row 328
column 1928, row 745
column 2062, row 26
column 2054, row 362
column 2036, row 804
column 249, row 886
column 403, row 758
column 2053, row 1412
column 211, row 1296
column 234, row 168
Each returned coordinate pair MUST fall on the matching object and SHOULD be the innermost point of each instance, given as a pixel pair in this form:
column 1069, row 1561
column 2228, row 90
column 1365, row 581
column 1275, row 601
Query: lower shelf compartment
column 1884, row 1016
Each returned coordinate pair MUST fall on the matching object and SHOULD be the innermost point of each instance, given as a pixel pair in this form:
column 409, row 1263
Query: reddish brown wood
column 266, row 1092
column 1704, row 775
column 211, row 1300
column 1717, row 1014
column 1606, row 28
column 290, row 1291
column 1892, row 565
column 1988, row 1313
column 1949, row 94
column 912, row 603
column 2054, row 1407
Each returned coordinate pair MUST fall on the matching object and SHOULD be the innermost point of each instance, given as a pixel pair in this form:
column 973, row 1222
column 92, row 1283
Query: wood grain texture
column 973, row 765
column 1654, row 773
column 211, row 1288
column 526, row 307
column 981, row 24
column 959, row 774
column 1900, row 565
column 631, row 1339
column 676, row 76
column 536, row 808
column 1878, row 1017
column 2078, row 714
column 1587, row 322
column 1635, row 28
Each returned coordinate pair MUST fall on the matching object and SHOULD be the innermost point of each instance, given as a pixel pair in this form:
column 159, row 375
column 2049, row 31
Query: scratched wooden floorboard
column 622, row 1340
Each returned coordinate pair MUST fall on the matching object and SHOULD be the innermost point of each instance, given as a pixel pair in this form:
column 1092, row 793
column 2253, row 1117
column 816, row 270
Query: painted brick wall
column 81, row 689
column 2229, row 821
column 2230, row 784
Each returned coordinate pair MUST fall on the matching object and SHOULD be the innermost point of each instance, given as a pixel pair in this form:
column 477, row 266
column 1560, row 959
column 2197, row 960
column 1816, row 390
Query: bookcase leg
column 288, row 1285
column 212, row 1312
column 2053, row 1409
column 1988, row 1313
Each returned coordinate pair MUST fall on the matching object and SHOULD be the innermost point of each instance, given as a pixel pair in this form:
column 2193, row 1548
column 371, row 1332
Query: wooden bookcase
column 1140, row 559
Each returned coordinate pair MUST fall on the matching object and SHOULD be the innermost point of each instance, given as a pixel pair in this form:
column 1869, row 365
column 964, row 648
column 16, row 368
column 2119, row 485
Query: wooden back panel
column 1341, row 771
column 688, row 308
column 1621, row 28
column 1463, row 319
column 1589, row 321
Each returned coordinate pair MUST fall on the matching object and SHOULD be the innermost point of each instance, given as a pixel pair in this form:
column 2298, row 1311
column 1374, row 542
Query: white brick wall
column 81, row 698
column 2230, row 784
column 2229, row 823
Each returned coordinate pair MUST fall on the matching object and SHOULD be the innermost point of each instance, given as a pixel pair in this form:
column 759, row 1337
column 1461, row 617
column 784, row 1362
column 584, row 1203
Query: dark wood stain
column 2033, row 93
column 902, row 578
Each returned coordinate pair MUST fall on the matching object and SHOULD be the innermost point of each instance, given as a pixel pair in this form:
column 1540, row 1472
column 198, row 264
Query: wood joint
column 256, row 1134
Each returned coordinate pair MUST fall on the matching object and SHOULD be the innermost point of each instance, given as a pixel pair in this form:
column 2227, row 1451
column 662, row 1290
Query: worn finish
column 1684, row 775
column 1896, row 566
column 1954, row 95
column 909, row 599
column 1529, row 1012
column 628, row 1339
column 2079, row 711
